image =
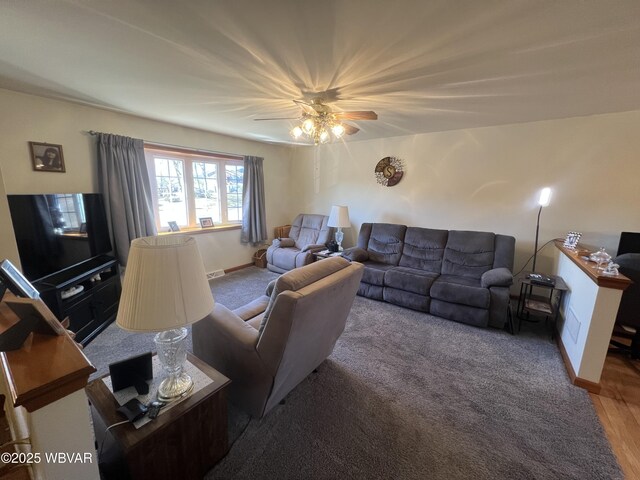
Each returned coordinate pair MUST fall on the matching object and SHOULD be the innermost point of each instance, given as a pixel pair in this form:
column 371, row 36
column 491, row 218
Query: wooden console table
column 589, row 311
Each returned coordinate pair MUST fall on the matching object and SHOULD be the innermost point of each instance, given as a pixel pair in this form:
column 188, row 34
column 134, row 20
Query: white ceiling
column 422, row 65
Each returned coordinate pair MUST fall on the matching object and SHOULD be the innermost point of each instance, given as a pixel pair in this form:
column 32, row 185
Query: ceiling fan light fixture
column 296, row 132
column 308, row 126
column 338, row 130
column 324, row 136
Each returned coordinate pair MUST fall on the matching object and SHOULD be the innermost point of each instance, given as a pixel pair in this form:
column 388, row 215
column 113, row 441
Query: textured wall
column 489, row 179
column 30, row 118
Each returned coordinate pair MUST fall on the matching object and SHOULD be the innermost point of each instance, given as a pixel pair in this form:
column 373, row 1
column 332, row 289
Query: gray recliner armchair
column 270, row 345
column 309, row 233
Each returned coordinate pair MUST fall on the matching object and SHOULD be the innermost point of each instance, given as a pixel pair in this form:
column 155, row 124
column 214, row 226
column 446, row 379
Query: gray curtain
column 254, row 223
column 124, row 182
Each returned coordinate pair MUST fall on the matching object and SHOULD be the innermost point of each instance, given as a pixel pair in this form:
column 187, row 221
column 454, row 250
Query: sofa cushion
column 460, row 290
column 468, row 254
column 383, row 241
column 459, row 313
column 424, row 249
column 409, row 279
column 406, row 299
column 374, row 272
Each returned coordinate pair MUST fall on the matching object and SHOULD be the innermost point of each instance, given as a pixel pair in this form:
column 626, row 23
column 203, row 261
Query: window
column 188, row 186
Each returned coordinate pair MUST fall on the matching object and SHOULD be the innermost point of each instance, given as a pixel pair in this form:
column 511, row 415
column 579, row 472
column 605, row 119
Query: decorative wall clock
column 389, row 171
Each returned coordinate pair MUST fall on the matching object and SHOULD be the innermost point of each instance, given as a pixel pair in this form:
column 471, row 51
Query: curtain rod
column 232, row 156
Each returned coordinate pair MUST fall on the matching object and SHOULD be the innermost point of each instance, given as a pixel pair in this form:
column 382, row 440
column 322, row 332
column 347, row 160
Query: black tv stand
column 91, row 310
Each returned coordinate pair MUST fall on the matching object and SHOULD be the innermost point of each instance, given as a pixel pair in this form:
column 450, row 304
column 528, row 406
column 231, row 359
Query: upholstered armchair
column 308, row 234
column 270, row 345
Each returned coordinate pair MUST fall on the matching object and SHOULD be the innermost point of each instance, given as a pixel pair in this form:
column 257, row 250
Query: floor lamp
column 165, row 289
column 543, row 201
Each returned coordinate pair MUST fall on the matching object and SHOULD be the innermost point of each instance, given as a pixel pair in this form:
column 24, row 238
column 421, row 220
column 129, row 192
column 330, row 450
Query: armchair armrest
column 355, row 254
column 223, row 322
column 313, row 248
column 283, row 242
column 270, row 287
column 497, row 277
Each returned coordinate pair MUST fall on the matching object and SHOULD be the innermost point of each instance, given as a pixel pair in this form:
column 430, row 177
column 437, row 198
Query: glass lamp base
column 174, row 387
column 339, row 238
column 172, row 353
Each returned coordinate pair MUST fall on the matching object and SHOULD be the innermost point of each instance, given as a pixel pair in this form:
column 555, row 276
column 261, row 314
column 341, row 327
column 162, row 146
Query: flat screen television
column 629, row 243
column 56, row 231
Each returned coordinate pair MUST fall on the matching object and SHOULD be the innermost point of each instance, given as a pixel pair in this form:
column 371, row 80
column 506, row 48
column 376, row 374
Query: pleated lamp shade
column 339, row 217
column 165, row 285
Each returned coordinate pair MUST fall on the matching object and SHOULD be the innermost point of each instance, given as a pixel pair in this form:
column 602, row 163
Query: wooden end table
column 546, row 305
column 183, row 442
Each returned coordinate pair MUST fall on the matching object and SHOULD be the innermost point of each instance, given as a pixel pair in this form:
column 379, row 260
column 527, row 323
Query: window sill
column 199, row 230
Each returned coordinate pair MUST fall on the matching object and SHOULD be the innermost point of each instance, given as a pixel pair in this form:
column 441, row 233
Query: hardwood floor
column 618, row 406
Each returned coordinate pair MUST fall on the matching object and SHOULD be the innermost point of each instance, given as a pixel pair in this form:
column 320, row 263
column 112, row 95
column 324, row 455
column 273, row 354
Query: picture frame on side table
column 173, row 226
column 206, row 222
column 47, row 157
column 36, row 310
column 15, row 281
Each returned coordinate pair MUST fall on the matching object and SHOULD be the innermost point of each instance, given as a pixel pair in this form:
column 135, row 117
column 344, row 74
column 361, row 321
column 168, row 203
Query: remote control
column 154, row 409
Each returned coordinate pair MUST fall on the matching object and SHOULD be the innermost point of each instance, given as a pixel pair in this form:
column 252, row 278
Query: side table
column 326, row 254
column 185, row 441
column 545, row 303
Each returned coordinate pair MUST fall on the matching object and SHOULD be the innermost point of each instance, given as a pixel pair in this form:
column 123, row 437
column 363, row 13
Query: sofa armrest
column 497, row 277
column 313, row 248
column 356, row 254
column 222, row 322
column 283, row 242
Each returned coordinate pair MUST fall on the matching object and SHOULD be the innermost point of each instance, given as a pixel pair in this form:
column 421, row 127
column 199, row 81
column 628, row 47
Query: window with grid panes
column 191, row 186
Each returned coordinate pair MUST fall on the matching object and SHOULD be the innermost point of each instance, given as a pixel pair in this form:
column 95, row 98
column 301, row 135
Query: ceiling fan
column 318, row 121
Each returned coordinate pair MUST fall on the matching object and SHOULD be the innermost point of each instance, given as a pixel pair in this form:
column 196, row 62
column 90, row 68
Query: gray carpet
column 410, row 396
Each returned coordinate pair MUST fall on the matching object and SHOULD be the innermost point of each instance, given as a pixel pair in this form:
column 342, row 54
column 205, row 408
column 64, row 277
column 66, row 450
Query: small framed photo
column 35, row 310
column 206, row 222
column 173, row 226
column 572, row 239
column 83, row 228
column 46, row 157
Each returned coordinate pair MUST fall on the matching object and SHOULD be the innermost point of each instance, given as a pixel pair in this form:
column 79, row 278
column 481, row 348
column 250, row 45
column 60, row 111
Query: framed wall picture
column 206, row 222
column 173, row 226
column 46, row 157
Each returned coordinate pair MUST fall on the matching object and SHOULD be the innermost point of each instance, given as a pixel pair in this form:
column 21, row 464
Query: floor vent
column 215, row 274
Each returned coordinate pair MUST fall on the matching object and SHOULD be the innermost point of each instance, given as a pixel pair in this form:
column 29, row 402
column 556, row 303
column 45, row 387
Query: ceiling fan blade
column 362, row 115
column 306, row 107
column 275, row 118
column 350, row 129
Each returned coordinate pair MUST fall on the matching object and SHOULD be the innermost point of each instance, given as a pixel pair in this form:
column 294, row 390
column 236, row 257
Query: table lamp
column 165, row 288
column 339, row 217
column 543, row 201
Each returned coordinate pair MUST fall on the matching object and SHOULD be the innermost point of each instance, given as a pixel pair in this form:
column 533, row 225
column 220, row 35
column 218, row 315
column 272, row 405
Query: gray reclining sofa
column 458, row 275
